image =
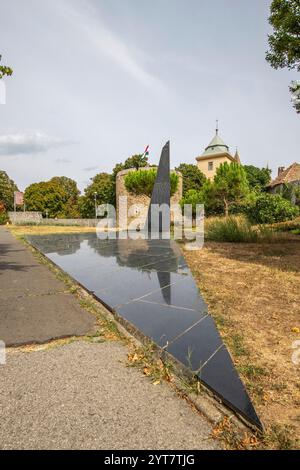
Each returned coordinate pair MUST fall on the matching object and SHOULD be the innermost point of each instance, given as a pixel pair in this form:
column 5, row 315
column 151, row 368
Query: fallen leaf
column 295, row 330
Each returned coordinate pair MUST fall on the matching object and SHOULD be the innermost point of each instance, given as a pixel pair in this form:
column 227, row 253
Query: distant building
column 286, row 177
column 214, row 155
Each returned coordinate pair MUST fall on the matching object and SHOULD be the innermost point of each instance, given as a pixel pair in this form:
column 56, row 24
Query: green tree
column 258, row 178
column 192, row 177
column 4, row 70
column 103, row 187
column 135, row 161
column 192, row 197
column 271, row 208
column 7, row 189
column 295, row 92
column 69, row 186
column 46, row 197
column 230, row 185
column 3, row 214
column 285, row 41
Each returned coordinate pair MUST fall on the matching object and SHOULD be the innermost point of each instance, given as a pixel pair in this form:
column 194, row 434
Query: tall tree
column 295, row 92
column 135, row 161
column 102, row 188
column 7, row 189
column 230, row 185
column 285, row 41
column 258, row 178
column 46, row 197
column 192, row 177
column 69, row 186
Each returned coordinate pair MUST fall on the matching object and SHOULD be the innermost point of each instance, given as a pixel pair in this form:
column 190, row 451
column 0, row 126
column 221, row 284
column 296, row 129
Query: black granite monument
column 158, row 220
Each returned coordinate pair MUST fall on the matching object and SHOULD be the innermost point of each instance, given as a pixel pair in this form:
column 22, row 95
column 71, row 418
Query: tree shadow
column 6, row 248
column 11, row 266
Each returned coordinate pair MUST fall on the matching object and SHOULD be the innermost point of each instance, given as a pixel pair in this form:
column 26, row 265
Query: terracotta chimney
column 280, row 170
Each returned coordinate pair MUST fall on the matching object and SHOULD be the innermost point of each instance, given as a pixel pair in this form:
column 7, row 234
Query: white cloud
column 27, row 143
column 90, row 168
column 62, row 160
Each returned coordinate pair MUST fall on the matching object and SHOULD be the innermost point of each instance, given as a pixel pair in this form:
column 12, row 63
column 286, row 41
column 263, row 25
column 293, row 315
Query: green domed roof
column 217, row 145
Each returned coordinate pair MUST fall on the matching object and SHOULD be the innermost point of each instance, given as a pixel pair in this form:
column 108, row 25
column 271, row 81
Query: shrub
column 142, row 182
column 231, row 229
column 192, row 197
column 3, row 218
column 287, row 226
column 271, row 208
column 237, row 229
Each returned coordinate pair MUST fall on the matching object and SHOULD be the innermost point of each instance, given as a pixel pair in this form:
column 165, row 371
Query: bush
column 286, row 226
column 271, row 208
column 205, row 196
column 3, row 218
column 192, row 197
column 237, row 230
column 142, row 182
column 231, row 229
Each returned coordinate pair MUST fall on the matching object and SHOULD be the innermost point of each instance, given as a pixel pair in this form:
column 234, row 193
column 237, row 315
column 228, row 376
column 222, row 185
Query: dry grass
column 253, row 291
column 22, row 230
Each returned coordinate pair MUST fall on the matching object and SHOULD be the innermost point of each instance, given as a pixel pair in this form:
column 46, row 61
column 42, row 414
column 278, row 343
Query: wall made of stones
column 133, row 199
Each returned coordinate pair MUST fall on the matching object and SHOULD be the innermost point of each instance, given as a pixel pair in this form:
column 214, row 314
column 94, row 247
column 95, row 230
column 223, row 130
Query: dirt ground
column 253, row 292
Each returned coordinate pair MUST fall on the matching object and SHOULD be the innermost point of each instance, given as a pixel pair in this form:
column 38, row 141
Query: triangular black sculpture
column 219, row 374
column 159, row 222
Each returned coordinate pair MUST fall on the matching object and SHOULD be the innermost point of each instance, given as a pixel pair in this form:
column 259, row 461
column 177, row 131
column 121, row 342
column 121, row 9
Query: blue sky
column 96, row 81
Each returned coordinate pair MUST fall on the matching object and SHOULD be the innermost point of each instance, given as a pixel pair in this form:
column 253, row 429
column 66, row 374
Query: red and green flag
column 146, row 153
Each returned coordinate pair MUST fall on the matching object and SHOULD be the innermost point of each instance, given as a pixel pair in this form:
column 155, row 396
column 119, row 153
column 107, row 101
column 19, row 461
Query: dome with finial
column 217, row 151
column 216, row 146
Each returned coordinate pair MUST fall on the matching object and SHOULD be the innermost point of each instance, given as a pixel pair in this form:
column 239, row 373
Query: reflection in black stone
column 148, row 283
column 165, row 280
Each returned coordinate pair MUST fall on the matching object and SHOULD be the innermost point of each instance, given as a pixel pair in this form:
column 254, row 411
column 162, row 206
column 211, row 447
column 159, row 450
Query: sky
column 96, row 81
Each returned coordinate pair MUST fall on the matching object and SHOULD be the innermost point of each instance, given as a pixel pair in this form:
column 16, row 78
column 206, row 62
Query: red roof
column 292, row 173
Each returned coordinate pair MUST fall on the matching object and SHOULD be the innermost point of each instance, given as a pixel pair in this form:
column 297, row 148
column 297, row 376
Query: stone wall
column 25, row 217
column 142, row 200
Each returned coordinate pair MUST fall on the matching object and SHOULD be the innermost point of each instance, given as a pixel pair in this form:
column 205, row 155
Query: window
column 210, row 166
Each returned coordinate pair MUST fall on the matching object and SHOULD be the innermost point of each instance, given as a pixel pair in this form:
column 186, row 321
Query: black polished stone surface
column 160, row 323
column 148, row 284
column 161, row 195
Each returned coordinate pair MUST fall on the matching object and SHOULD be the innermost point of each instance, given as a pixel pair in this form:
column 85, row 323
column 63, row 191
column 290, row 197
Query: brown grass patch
column 253, row 292
column 22, row 230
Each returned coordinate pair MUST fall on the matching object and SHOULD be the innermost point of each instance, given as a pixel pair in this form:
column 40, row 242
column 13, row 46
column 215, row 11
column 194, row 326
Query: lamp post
column 95, row 194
